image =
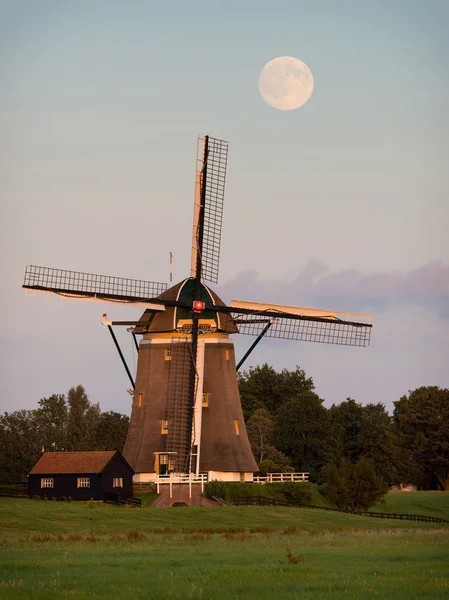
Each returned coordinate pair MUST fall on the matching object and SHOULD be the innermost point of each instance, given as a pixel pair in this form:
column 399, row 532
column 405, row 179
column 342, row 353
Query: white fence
column 181, row 478
column 282, row 477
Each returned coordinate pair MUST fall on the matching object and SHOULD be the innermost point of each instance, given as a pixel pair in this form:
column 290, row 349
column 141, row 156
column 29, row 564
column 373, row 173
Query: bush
column 217, row 489
column 295, row 492
column 353, row 487
column 271, row 466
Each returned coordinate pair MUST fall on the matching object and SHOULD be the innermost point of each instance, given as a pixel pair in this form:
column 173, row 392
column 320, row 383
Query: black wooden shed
column 80, row 475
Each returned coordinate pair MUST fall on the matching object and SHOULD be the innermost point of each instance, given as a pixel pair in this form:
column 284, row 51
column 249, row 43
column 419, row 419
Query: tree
column 111, row 431
column 257, row 388
column 304, row 432
column 263, row 387
column 367, row 431
column 51, row 422
column 58, row 424
column 422, row 422
column 346, row 419
column 275, row 463
column 353, row 487
column 377, row 441
column 83, row 420
column 261, row 428
column 20, row 444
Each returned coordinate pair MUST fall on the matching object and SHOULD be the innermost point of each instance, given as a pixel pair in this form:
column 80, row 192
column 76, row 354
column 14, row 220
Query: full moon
column 286, row 83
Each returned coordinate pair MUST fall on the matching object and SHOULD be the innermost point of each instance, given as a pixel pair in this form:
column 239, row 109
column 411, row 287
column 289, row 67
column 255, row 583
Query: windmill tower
column 186, row 414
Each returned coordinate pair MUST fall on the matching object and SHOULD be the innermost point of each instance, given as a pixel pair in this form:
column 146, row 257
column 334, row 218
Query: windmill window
column 168, row 354
column 140, row 398
column 164, row 427
column 227, row 354
column 83, row 482
column 205, row 401
column 236, row 427
column 47, row 482
column 117, row 482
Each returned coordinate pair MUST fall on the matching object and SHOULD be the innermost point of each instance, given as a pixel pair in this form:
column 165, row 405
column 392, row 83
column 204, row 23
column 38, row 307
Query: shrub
column 297, row 492
column 278, row 463
column 217, row 489
column 353, row 487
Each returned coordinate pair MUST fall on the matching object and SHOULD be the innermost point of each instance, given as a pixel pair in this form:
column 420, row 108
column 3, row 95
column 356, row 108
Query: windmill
column 186, row 414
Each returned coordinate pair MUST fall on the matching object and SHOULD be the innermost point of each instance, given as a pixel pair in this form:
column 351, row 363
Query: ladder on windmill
column 179, row 410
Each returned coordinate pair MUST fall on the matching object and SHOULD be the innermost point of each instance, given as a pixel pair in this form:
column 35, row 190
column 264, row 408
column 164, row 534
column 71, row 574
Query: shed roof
column 71, row 462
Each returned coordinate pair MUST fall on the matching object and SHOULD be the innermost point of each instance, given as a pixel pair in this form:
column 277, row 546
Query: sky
column 341, row 204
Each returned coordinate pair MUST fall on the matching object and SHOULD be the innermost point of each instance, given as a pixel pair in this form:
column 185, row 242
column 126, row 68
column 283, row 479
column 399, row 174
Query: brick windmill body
column 186, row 414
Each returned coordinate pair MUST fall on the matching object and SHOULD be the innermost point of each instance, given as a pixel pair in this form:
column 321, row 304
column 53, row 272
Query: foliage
column 353, row 486
column 298, row 492
column 111, row 431
column 216, row 489
column 367, row 431
column 58, row 424
column 376, row 441
column 422, row 422
column 288, row 425
column 51, row 420
column 20, row 445
column 83, row 420
column 277, row 463
column 263, row 387
column 304, row 432
column 261, row 428
column 345, row 419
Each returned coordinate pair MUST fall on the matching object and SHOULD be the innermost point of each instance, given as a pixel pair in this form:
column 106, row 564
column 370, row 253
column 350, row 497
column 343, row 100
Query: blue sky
column 341, row 204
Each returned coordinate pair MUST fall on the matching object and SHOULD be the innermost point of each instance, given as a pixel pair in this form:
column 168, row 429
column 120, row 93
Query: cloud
column 348, row 289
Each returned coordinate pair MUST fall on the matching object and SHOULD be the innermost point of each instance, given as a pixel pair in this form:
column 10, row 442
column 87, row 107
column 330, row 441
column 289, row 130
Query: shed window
column 83, row 482
column 47, row 482
column 117, row 482
column 168, row 354
column 205, row 401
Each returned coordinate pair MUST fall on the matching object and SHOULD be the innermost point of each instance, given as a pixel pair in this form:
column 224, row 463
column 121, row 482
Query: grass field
column 80, row 550
column 435, row 504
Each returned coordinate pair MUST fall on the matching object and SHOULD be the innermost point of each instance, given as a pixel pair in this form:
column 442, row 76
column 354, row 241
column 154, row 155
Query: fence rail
column 264, row 501
column 181, row 478
column 403, row 517
column 281, row 477
column 113, row 498
column 13, row 491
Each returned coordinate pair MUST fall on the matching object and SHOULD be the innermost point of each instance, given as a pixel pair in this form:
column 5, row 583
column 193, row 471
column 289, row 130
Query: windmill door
column 165, row 463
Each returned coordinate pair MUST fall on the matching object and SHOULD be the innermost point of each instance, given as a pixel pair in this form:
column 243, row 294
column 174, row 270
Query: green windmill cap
column 174, row 318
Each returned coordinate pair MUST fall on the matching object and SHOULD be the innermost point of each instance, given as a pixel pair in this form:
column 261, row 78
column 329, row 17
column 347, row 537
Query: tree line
column 60, row 423
column 289, row 428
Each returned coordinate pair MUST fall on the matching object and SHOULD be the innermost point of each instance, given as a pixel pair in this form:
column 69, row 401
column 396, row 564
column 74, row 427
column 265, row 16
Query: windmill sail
column 303, row 324
column 76, row 284
column 323, row 331
column 212, row 157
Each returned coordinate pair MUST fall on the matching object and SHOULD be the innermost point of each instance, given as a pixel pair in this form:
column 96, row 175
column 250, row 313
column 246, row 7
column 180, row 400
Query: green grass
column 80, row 550
column 435, row 504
